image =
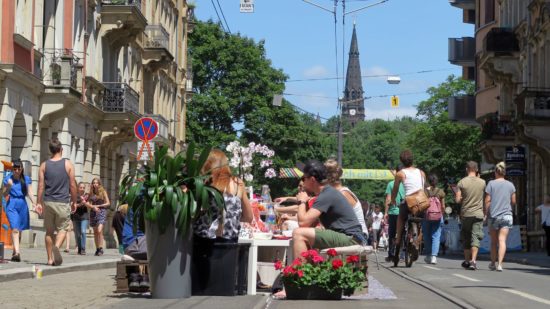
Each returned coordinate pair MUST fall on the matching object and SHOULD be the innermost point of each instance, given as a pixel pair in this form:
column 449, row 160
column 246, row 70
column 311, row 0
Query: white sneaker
column 433, row 260
column 492, row 266
column 499, row 267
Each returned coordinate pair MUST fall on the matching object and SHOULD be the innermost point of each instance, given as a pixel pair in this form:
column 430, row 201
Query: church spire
column 353, row 107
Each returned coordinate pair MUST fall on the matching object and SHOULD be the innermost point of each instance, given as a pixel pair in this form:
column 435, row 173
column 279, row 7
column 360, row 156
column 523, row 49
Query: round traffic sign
column 146, row 129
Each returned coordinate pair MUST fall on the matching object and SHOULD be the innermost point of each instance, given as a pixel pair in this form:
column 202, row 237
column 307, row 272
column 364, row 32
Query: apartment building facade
column 85, row 71
column 512, row 100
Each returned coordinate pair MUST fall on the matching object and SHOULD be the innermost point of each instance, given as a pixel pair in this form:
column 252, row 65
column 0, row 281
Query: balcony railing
column 156, row 37
column 120, row 98
column 462, row 108
column 501, row 41
column 493, row 127
column 63, row 70
column 162, row 123
column 462, row 51
column 136, row 3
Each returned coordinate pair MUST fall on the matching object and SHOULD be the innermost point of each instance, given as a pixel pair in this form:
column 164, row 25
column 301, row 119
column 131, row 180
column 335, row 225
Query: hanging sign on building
column 515, row 161
column 247, row 6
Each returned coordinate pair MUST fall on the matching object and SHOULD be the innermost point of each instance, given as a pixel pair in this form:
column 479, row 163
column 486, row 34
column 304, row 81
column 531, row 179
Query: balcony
column 462, row 109
column 120, row 98
column 463, row 4
column 462, row 51
column 122, row 20
column 163, row 126
column 189, row 78
column 534, row 104
column 501, row 41
column 190, row 19
column 497, row 128
column 156, row 50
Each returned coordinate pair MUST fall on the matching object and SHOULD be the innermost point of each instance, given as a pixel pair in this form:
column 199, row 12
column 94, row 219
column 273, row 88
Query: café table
column 253, row 257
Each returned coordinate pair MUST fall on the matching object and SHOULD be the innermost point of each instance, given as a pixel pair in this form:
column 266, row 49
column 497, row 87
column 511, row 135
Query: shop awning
column 364, row 174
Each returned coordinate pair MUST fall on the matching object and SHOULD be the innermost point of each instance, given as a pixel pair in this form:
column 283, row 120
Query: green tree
column 440, row 145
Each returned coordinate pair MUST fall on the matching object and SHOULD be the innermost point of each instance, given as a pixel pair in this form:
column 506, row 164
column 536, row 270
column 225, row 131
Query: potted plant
column 165, row 197
column 316, row 277
column 55, row 69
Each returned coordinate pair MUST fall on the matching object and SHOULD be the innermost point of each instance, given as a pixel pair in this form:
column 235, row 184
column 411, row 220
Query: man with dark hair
column 331, row 208
column 391, row 212
column 469, row 193
column 406, row 157
column 57, row 192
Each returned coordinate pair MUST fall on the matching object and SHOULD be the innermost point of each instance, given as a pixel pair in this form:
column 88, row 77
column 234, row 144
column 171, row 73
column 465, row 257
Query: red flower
column 278, row 265
column 332, row 252
column 313, row 252
column 317, row 259
column 305, row 254
column 352, row 259
column 288, row 271
column 300, row 273
column 337, row 263
column 297, row 262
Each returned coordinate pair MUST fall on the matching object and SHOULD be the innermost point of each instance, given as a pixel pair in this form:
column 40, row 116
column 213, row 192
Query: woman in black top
column 80, row 219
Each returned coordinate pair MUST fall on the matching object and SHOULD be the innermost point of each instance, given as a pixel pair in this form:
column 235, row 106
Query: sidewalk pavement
column 540, row 259
column 71, row 262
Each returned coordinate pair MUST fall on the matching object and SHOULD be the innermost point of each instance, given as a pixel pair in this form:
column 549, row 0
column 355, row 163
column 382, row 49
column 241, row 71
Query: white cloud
column 390, row 113
column 316, row 71
column 375, row 71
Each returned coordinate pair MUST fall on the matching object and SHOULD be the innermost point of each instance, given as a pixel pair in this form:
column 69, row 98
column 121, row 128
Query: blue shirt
column 16, row 190
column 128, row 235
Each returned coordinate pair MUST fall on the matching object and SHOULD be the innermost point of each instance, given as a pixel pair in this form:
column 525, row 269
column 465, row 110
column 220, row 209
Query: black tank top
column 56, row 182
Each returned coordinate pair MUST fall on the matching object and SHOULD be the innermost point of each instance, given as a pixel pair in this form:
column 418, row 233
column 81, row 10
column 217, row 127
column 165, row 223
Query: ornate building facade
column 84, row 71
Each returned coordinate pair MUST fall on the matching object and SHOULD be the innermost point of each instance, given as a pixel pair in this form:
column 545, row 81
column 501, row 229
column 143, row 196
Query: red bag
column 433, row 213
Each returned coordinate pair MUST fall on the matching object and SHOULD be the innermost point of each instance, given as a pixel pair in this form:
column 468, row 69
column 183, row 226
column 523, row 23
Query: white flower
column 270, row 173
column 265, row 163
column 248, row 177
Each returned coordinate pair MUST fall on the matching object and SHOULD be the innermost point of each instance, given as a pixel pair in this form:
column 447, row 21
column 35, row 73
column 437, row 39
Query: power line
column 368, row 76
column 223, row 15
column 359, row 99
column 217, row 14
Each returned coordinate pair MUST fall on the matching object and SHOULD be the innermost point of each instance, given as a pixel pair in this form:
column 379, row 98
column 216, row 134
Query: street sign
column 394, row 101
column 146, row 129
column 247, row 6
column 145, row 155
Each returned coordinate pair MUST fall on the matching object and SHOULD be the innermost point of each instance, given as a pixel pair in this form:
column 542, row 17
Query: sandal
column 16, row 257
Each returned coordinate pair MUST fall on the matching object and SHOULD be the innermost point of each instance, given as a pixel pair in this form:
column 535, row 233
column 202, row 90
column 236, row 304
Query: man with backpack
column 431, row 225
column 469, row 193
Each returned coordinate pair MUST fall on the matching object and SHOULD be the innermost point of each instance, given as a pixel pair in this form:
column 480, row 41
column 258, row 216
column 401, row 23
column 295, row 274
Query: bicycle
column 411, row 239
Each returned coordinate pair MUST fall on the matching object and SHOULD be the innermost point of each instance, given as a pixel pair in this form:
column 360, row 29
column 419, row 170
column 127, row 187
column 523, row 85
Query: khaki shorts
column 330, row 239
column 471, row 232
column 57, row 216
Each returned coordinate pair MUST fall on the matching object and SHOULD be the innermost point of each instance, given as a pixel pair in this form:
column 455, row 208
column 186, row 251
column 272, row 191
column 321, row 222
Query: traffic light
column 394, row 101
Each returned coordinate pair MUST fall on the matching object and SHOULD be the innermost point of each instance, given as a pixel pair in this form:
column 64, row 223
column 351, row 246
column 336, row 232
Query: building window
column 489, row 11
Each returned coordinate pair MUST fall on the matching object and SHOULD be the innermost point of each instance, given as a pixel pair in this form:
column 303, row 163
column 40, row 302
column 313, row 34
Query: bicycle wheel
column 409, row 255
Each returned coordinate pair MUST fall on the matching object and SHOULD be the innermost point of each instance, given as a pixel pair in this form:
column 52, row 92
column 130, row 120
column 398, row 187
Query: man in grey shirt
column 330, row 208
column 57, row 194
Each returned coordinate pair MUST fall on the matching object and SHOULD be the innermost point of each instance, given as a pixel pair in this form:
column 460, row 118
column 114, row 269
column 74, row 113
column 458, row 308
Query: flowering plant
column 243, row 156
column 329, row 273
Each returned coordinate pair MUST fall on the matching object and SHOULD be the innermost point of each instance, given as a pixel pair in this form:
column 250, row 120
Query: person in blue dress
column 17, row 187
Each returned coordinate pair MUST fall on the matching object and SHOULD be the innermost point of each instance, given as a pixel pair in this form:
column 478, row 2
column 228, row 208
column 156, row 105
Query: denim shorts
column 505, row 221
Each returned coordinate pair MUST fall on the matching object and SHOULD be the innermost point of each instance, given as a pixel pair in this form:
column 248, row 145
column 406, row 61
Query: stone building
column 84, row 71
column 511, row 67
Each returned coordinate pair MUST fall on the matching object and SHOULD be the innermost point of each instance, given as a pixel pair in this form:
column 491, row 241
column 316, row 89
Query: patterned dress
column 209, row 227
column 97, row 217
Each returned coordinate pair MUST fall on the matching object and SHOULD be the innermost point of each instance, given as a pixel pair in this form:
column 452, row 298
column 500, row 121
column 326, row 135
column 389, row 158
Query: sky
column 397, row 37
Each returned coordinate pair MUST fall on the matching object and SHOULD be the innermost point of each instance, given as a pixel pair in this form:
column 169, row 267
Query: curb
column 26, row 273
column 517, row 260
column 455, row 300
column 263, row 303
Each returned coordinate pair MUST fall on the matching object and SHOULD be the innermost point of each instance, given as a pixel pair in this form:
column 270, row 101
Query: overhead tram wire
column 223, row 15
column 368, row 76
column 217, row 14
column 358, row 99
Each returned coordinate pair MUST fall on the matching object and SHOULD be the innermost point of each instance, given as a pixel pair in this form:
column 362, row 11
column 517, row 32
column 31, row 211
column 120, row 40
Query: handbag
column 418, row 201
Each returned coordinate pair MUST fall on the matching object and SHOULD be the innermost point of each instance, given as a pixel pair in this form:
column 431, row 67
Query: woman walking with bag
column 431, row 225
column 499, row 198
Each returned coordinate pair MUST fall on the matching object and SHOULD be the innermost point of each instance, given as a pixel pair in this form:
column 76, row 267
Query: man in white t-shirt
column 544, row 210
column 377, row 218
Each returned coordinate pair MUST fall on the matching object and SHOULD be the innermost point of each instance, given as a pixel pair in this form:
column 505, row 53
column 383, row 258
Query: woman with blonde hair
column 224, row 227
column 98, row 202
column 499, row 198
column 334, row 174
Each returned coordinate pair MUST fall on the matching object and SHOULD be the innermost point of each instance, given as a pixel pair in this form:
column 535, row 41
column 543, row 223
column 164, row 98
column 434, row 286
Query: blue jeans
column 80, row 227
column 432, row 235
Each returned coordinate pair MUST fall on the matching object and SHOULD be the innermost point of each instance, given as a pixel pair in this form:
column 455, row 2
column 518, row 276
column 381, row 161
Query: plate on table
column 282, row 237
column 262, row 235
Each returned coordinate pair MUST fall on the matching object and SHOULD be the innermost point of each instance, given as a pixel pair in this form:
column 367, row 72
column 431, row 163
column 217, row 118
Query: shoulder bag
column 418, row 201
